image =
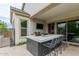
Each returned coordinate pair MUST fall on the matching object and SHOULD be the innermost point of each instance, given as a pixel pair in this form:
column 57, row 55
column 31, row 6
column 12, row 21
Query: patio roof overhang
column 18, row 12
column 45, row 9
column 57, row 12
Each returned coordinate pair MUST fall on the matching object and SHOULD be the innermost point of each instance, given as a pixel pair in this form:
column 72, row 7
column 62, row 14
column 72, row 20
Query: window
column 51, row 28
column 24, row 24
column 23, row 28
column 39, row 26
column 23, row 32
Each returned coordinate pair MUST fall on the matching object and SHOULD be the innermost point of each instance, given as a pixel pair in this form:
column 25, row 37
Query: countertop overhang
column 44, row 38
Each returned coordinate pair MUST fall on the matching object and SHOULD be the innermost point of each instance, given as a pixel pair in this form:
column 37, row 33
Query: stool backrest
column 55, row 41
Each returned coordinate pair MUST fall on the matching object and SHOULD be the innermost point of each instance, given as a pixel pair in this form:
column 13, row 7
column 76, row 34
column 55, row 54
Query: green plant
column 3, row 25
column 22, row 43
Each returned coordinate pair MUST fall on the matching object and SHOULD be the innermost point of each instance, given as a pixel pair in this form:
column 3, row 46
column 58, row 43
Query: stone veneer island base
column 36, row 48
column 35, row 44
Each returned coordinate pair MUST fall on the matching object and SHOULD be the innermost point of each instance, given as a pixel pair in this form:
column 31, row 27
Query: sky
column 5, row 11
column 5, row 8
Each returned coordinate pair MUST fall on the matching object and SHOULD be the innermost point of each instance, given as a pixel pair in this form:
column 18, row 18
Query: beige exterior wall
column 17, row 26
column 31, row 27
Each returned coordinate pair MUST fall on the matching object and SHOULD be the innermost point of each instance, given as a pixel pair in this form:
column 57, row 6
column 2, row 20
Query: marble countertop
column 43, row 38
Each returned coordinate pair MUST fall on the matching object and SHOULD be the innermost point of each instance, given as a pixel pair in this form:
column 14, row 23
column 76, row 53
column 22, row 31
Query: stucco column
column 29, row 29
column 17, row 30
column 46, row 28
column 55, row 28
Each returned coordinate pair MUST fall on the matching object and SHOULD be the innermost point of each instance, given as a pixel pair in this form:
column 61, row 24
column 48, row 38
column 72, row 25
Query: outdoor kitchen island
column 35, row 44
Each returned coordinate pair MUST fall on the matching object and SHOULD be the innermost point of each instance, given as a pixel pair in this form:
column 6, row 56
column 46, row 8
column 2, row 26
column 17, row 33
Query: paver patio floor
column 22, row 51
column 14, row 51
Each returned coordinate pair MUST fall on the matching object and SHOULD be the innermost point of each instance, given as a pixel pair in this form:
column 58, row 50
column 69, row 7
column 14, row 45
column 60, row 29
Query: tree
column 72, row 27
column 3, row 25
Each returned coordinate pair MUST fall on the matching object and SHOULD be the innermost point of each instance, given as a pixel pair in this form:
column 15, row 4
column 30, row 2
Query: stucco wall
column 31, row 27
column 17, row 25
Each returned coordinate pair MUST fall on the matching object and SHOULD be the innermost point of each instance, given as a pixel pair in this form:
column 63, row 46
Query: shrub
column 21, row 43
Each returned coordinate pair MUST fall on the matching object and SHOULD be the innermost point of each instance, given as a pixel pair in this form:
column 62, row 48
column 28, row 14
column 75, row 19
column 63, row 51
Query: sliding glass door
column 73, row 31
column 70, row 29
column 62, row 29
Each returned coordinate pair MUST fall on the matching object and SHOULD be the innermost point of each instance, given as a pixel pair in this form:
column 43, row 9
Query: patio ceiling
column 60, row 11
column 33, row 8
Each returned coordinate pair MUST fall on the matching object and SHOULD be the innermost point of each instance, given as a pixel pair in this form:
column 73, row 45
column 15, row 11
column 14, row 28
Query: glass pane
column 61, row 28
column 73, row 31
column 23, row 32
column 39, row 26
column 24, row 24
column 23, row 27
column 51, row 28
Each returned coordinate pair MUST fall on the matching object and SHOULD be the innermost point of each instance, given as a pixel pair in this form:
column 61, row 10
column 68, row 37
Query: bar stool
column 53, row 45
column 65, row 43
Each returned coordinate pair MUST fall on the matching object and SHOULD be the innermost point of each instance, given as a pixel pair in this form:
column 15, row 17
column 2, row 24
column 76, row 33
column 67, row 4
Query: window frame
column 24, row 28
